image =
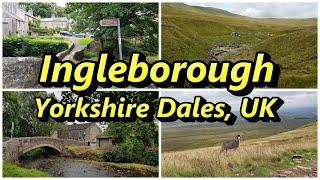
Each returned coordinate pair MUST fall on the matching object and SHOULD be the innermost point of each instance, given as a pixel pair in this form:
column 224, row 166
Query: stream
column 68, row 167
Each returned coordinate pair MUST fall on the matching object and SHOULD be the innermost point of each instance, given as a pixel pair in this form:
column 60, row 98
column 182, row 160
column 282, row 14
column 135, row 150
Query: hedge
column 22, row 46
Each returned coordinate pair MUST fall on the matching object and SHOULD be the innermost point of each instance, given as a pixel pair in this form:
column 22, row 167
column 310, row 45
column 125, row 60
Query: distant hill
column 190, row 32
column 181, row 136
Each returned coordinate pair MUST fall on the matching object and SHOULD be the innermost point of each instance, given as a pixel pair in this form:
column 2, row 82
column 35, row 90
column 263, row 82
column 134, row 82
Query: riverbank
column 12, row 170
column 96, row 155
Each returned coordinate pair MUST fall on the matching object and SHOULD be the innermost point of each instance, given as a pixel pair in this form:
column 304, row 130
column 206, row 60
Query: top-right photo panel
column 236, row 31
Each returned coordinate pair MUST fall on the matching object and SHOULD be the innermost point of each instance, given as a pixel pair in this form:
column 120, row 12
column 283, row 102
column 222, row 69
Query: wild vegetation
column 255, row 157
column 189, row 33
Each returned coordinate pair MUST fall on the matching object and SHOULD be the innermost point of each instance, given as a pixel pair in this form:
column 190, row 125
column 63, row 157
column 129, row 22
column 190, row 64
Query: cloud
column 292, row 99
column 61, row 4
column 267, row 10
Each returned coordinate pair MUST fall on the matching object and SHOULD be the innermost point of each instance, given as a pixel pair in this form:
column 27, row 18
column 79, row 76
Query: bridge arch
column 16, row 147
column 55, row 149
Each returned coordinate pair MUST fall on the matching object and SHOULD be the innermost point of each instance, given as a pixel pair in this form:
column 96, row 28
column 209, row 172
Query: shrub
column 151, row 157
column 130, row 151
column 89, row 55
column 109, row 156
column 15, row 46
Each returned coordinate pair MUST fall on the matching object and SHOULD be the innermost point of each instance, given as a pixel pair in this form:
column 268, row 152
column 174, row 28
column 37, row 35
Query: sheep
column 234, row 144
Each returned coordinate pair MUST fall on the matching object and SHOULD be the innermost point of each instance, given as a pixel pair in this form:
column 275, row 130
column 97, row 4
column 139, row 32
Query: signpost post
column 12, row 129
column 114, row 22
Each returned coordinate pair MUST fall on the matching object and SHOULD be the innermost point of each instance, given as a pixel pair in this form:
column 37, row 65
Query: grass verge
column 12, row 170
column 84, row 41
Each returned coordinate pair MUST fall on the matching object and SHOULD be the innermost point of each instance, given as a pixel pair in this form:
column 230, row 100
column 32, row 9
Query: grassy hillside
column 255, row 157
column 179, row 136
column 190, row 33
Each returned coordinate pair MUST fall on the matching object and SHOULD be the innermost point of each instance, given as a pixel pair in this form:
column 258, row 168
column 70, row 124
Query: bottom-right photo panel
column 287, row 148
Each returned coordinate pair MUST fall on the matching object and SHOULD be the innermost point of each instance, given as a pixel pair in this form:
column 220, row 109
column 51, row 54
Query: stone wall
column 21, row 72
column 63, row 54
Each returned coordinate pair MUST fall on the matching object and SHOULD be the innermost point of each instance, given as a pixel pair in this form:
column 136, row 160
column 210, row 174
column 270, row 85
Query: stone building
column 86, row 132
column 15, row 19
column 56, row 22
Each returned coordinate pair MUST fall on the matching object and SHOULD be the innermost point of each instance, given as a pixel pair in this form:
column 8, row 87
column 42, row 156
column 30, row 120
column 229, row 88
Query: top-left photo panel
column 75, row 32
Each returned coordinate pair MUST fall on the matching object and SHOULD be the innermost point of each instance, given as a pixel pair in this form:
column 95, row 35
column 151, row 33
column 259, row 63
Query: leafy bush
column 129, row 151
column 89, row 55
column 109, row 156
column 132, row 151
column 15, row 46
column 151, row 158
column 35, row 27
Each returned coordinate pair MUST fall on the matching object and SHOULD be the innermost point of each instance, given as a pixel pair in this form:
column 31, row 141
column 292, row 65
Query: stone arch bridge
column 16, row 147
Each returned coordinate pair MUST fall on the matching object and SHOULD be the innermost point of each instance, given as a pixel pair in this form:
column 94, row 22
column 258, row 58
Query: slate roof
column 7, row 15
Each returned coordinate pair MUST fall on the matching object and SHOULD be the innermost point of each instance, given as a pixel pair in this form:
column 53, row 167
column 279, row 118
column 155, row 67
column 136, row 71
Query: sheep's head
column 238, row 137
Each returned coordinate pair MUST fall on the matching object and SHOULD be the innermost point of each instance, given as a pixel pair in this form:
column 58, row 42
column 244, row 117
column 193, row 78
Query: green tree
column 20, row 108
column 139, row 24
column 44, row 10
column 59, row 11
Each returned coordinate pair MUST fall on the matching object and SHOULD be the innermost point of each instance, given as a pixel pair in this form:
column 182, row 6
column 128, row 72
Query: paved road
column 77, row 47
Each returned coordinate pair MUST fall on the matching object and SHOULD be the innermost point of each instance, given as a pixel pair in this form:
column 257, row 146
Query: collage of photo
column 223, row 32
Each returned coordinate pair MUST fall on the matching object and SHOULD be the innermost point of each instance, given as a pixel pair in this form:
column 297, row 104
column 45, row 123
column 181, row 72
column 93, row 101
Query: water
column 68, row 167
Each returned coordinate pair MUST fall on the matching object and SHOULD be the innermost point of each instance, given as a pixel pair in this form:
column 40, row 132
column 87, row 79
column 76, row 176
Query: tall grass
column 258, row 157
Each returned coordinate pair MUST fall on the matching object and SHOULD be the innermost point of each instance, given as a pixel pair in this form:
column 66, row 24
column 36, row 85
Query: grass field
column 255, row 157
column 189, row 33
column 11, row 170
column 84, row 41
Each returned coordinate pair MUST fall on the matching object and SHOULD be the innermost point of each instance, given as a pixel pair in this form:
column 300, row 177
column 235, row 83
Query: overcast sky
column 61, row 4
column 291, row 99
column 267, row 10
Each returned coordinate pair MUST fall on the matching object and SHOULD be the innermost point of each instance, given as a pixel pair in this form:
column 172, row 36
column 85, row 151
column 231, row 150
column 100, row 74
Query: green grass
column 152, row 59
column 188, row 33
column 284, row 161
column 11, row 170
column 84, row 41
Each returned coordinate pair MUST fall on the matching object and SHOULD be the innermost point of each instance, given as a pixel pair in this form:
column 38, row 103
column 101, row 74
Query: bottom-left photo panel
column 34, row 148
